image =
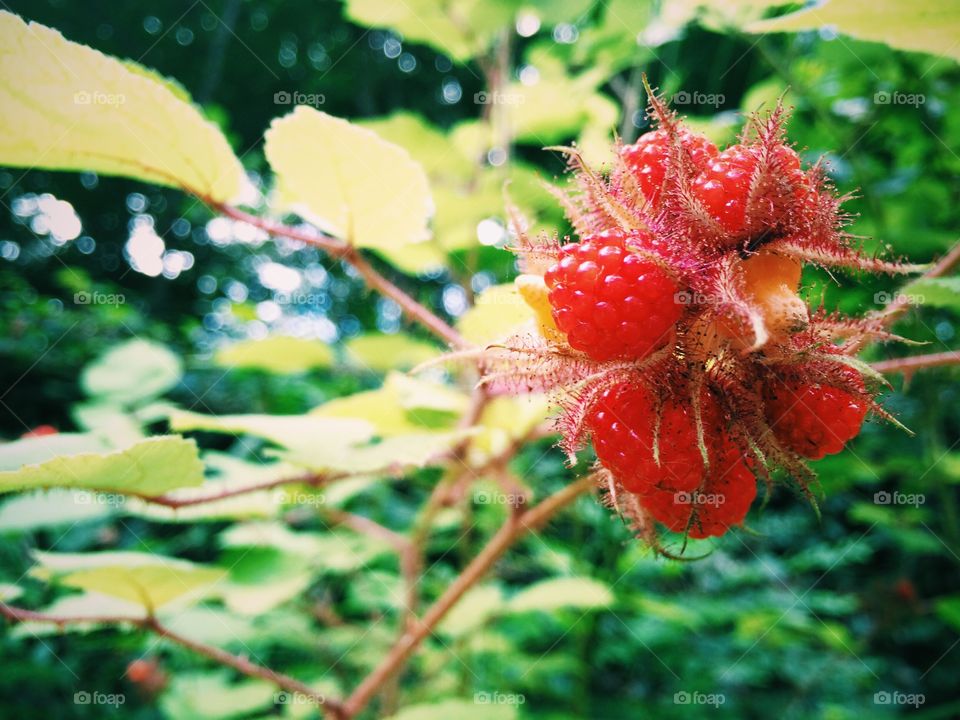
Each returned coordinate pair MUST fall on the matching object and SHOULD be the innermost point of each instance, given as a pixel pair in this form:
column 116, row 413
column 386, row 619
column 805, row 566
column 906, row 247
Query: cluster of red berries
column 693, row 251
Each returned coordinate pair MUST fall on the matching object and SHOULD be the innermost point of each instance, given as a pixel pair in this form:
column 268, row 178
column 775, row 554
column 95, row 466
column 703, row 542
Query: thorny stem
column 943, row 266
column 348, row 253
column 330, row 707
column 908, row 365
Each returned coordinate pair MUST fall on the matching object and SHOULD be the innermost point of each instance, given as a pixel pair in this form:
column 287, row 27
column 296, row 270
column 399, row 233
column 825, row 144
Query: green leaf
column 212, row 696
column 941, row 292
column 151, row 581
column 263, row 578
column 499, row 312
column 323, row 444
column 39, row 449
column 52, row 508
column 400, row 452
column 476, row 607
column 382, row 353
column 69, row 107
column 334, row 552
column 566, row 592
column 291, row 431
column 461, row 29
column 132, row 371
column 948, row 610
column 150, row 467
column 109, row 421
column 403, row 405
column 435, row 150
column 476, row 709
column 348, row 180
column 504, row 420
column 278, row 354
column 929, row 26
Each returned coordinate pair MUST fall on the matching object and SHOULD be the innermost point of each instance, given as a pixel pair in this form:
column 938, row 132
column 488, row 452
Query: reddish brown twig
column 515, row 526
column 350, row 254
column 332, row 708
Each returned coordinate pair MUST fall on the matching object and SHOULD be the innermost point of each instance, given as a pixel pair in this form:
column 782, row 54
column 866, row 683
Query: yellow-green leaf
column 69, row 107
column 402, row 405
column 348, row 180
column 327, row 444
column 290, row 431
column 458, row 28
column 577, row 592
column 389, row 352
column 278, row 354
column 499, row 312
column 150, row 467
column 148, row 580
column 929, row 26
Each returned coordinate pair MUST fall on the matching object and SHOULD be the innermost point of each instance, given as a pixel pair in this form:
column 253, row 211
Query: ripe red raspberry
column 723, row 186
column 622, row 425
column 647, row 158
column 813, row 419
column 720, row 504
column 611, row 302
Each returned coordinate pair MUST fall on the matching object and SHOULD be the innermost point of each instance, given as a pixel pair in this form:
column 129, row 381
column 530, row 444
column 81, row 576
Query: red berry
column 611, row 302
column 647, row 158
column 814, row 419
column 720, row 504
column 139, row 671
column 622, row 425
column 723, row 186
column 40, row 431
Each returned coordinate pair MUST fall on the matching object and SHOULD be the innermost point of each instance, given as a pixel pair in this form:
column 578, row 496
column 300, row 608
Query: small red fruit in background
column 40, row 431
column 147, row 675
